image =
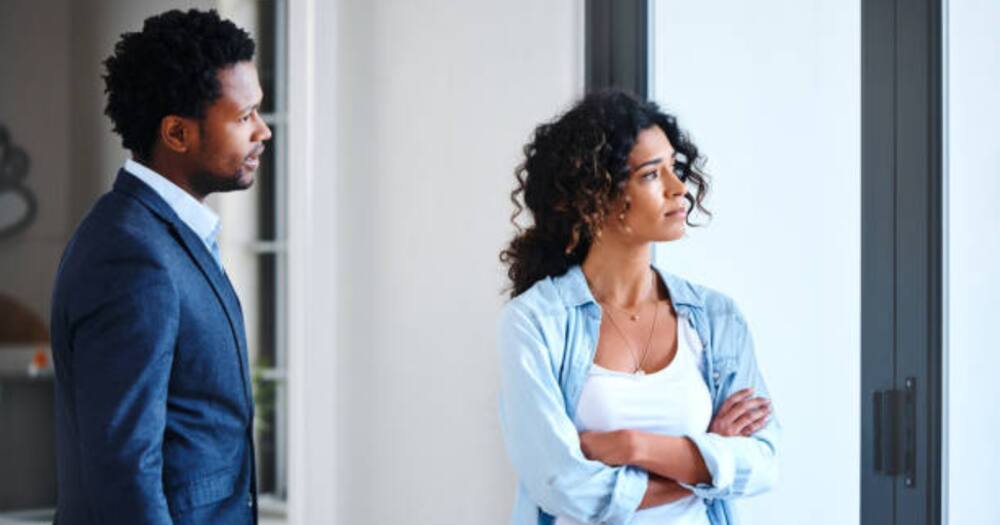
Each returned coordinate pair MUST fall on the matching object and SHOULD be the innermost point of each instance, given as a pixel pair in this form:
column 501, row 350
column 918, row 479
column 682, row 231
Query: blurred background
column 365, row 255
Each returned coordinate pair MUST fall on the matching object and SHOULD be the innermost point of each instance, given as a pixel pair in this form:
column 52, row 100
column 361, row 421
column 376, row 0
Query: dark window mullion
column 617, row 45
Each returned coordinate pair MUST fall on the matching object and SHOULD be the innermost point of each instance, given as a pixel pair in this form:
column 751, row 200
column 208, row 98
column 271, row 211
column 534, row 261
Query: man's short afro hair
column 169, row 68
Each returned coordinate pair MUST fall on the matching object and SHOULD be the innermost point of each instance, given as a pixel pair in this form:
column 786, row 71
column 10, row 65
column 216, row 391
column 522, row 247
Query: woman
column 658, row 415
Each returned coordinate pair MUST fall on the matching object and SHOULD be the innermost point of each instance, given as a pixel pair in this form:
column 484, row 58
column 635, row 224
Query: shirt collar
column 197, row 216
column 575, row 291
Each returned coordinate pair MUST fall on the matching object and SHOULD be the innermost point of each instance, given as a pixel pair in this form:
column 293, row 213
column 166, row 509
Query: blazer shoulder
column 120, row 224
column 116, row 241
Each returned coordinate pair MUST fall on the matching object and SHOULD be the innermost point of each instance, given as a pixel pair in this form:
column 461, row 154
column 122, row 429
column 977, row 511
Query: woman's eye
column 650, row 175
column 680, row 170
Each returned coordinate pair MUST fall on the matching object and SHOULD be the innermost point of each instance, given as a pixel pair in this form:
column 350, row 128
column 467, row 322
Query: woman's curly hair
column 574, row 172
column 169, row 68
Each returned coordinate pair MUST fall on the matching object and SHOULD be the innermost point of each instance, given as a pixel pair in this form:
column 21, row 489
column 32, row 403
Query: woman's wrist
column 675, row 457
column 636, row 443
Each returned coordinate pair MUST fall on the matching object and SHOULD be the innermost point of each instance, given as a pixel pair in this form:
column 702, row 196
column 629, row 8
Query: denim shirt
column 547, row 339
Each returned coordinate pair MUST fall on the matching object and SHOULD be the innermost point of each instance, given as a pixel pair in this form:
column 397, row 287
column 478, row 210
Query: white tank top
column 673, row 401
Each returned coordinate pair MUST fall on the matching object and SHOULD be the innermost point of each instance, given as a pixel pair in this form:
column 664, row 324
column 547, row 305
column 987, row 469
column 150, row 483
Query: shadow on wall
column 18, row 205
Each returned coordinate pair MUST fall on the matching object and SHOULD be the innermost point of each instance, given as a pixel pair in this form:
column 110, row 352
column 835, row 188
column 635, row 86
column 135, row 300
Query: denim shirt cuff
column 719, row 462
column 627, row 496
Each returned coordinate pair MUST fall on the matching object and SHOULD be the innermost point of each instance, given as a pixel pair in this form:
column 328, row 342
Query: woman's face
column 657, row 209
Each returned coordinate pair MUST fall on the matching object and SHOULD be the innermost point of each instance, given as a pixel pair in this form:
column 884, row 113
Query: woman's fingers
column 741, row 414
column 752, row 428
column 754, row 414
column 739, row 395
column 722, row 423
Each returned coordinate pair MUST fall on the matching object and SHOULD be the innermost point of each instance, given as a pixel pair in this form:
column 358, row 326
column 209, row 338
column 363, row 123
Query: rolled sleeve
column 629, row 490
column 739, row 466
column 720, row 464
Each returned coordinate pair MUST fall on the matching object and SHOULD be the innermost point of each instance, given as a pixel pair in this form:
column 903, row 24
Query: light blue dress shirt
column 197, row 216
column 547, row 339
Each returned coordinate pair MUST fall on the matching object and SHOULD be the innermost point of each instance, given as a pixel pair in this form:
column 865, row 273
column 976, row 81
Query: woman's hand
column 611, row 448
column 741, row 415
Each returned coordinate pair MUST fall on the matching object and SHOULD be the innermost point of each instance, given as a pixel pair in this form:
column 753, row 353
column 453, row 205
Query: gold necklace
column 632, row 350
column 633, row 316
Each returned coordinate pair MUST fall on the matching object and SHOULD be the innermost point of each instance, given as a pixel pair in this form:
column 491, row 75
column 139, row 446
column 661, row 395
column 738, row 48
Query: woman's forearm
column 676, row 458
column 660, row 491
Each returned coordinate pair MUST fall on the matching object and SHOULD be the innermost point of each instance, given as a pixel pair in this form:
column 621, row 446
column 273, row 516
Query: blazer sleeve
column 542, row 442
column 122, row 337
column 739, row 466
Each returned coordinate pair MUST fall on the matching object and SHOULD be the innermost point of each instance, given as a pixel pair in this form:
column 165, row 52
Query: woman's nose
column 673, row 185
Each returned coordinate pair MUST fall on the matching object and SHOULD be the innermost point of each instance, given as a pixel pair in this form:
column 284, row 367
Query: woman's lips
column 680, row 212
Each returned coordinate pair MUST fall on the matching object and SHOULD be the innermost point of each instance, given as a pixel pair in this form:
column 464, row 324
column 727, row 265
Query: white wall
column 770, row 91
column 429, row 106
column 972, row 471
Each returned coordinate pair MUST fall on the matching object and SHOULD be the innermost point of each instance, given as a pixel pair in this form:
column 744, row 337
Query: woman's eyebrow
column 649, row 162
column 657, row 160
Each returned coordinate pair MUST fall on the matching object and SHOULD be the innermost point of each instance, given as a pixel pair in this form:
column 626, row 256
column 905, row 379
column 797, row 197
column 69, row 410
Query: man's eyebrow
column 246, row 108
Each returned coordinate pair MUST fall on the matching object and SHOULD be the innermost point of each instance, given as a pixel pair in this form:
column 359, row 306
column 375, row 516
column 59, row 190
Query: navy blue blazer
column 154, row 408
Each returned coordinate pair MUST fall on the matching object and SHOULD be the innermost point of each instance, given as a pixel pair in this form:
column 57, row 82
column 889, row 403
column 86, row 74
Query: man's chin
column 242, row 181
column 245, row 182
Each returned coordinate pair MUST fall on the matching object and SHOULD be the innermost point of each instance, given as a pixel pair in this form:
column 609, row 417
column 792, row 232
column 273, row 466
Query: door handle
column 895, row 432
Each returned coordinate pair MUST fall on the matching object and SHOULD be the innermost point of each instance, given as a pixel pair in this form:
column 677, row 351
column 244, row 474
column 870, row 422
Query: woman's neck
column 620, row 275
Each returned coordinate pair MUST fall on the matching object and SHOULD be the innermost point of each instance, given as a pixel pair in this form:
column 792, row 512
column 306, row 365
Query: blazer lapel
column 223, row 289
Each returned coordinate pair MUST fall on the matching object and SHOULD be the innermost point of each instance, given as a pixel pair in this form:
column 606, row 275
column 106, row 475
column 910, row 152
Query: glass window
column 769, row 92
column 972, row 256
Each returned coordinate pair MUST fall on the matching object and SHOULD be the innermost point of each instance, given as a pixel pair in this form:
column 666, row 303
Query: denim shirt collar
column 575, row 291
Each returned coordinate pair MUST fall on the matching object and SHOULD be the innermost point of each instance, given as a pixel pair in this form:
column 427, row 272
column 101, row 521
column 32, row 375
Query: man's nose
column 265, row 132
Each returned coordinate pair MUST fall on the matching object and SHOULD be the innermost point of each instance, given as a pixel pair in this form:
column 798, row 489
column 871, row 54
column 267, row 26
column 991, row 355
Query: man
column 153, row 396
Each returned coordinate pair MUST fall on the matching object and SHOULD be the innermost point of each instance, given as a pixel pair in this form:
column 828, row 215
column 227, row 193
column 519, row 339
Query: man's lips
column 253, row 159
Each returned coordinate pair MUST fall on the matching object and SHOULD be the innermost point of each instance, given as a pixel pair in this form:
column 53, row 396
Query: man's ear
column 178, row 134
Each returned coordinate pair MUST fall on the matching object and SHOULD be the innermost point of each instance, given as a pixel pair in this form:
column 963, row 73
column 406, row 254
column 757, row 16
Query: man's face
column 232, row 134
